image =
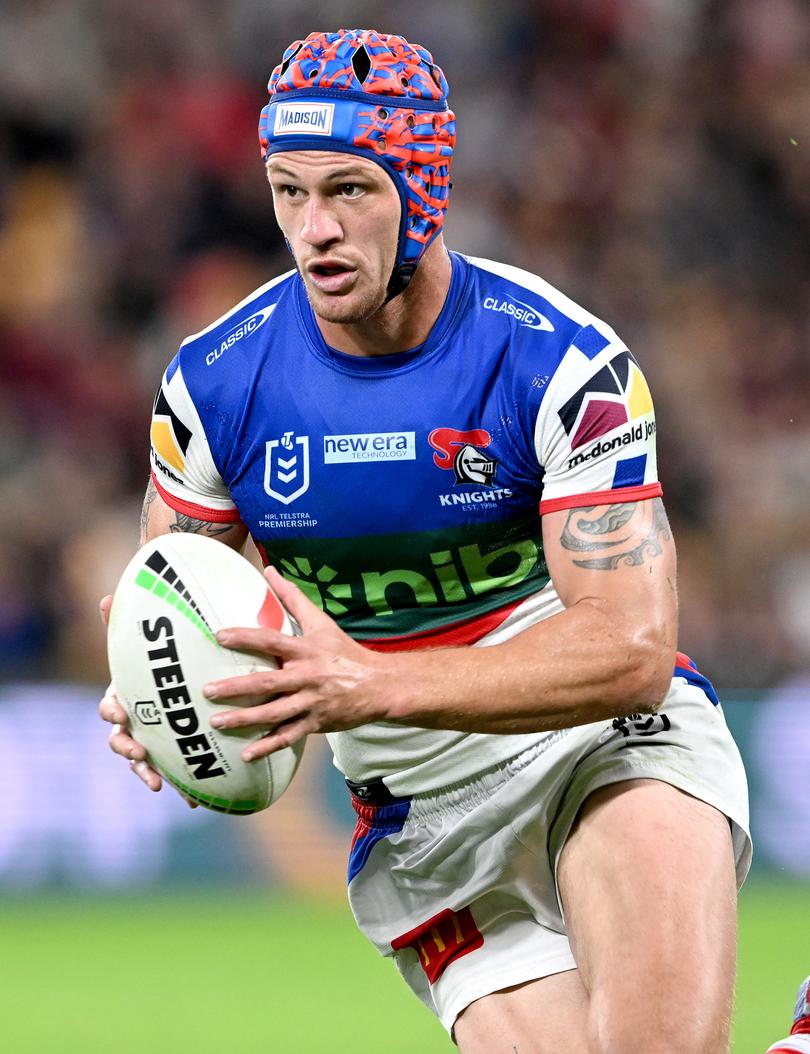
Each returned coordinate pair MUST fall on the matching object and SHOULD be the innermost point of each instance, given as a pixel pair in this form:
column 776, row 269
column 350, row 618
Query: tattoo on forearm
column 624, row 535
column 148, row 498
column 188, row 525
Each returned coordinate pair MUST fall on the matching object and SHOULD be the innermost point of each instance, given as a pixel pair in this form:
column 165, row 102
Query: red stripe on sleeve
column 602, row 497
column 199, row 512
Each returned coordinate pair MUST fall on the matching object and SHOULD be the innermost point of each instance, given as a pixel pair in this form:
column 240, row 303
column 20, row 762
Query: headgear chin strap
column 379, row 97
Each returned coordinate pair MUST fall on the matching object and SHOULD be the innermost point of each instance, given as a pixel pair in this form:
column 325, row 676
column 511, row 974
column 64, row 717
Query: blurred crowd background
column 649, row 157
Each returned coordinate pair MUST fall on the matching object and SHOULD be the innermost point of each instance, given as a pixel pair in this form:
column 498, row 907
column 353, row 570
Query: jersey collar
column 385, row 365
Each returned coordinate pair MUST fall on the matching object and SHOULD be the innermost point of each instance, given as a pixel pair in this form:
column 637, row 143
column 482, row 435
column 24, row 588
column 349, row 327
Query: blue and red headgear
column 377, row 96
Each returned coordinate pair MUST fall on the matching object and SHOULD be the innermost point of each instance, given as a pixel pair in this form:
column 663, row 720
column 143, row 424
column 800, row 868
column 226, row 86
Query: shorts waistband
column 374, row 792
column 371, row 800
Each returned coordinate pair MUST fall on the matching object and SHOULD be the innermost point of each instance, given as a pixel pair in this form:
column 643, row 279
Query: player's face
column 340, row 214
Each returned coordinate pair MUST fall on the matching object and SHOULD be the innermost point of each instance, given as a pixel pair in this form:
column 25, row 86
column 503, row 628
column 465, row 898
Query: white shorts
column 459, row 884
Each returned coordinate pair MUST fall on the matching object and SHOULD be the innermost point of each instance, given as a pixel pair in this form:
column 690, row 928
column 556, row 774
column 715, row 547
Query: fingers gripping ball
column 172, row 598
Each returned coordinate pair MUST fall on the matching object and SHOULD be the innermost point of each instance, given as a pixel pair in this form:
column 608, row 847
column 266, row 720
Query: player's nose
column 320, row 224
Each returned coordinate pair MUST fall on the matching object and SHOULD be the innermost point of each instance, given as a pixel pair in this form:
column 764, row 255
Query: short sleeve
column 595, row 431
column 183, row 469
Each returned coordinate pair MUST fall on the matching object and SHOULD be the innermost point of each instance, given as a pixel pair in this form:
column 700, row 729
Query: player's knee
column 633, row 1030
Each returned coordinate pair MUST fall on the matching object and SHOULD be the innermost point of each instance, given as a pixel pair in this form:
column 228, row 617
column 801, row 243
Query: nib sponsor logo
column 318, row 584
column 448, row 576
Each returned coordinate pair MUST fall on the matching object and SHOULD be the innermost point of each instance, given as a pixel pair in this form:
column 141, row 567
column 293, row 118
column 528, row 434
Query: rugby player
column 798, row 1042
column 449, row 469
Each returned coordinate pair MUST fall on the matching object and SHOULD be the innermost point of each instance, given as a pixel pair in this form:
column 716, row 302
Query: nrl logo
column 286, row 467
column 147, row 712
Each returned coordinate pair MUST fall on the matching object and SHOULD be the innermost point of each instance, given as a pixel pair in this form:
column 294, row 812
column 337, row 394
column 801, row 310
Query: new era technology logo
column 372, row 446
column 304, row 118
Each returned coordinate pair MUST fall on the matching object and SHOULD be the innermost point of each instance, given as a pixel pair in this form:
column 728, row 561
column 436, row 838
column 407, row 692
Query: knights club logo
column 463, row 453
column 616, row 395
column 286, row 467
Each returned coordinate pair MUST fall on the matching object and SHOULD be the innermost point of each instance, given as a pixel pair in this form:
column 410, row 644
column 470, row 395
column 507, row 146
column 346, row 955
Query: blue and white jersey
column 403, row 493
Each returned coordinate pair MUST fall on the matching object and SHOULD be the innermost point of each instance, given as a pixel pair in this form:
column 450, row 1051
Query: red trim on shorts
column 466, row 631
column 602, row 497
column 199, row 512
column 441, row 940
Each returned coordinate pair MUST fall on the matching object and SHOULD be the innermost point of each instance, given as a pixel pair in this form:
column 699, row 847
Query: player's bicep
column 158, row 517
column 620, row 557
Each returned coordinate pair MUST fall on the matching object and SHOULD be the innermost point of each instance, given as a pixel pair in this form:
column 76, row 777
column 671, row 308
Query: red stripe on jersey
column 198, row 512
column 602, row 497
column 802, row 1027
column 467, row 631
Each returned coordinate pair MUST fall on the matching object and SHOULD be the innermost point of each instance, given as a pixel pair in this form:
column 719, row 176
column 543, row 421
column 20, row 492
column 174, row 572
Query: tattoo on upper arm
column 188, row 525
column 616, row 535
column 148, row 498
column 182, row 524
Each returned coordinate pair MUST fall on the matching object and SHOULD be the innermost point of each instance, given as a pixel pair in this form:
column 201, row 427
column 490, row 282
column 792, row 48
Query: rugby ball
column 174, row 595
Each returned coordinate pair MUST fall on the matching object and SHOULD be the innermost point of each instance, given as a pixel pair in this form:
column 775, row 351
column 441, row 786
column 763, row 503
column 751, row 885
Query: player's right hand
column 120, row 741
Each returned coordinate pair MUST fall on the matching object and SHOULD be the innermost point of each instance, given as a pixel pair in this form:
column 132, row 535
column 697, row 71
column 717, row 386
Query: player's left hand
column 326, row 682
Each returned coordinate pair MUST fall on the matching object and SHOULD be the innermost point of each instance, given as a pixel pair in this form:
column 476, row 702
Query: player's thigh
column 540, row 1017
column 648, row 888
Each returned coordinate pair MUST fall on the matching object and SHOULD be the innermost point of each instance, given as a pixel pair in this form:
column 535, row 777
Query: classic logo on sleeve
column 241, row 329
column 616, row 395
column 524, row 314
column 286, row 467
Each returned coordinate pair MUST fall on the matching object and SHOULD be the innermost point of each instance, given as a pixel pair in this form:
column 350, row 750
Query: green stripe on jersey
column 388, row 585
